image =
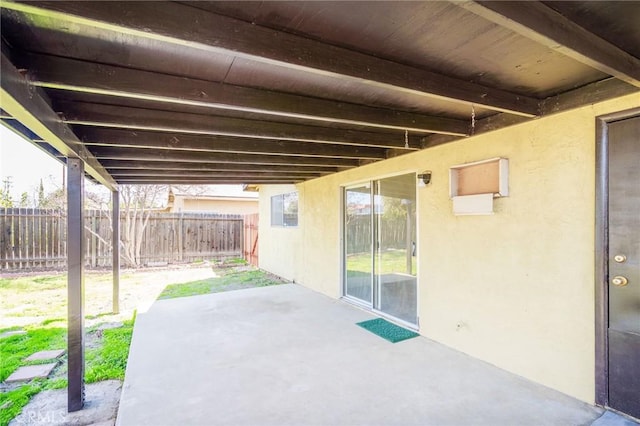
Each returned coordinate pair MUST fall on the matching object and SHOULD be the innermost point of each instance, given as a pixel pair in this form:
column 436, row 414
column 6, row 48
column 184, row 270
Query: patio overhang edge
column 27, row 104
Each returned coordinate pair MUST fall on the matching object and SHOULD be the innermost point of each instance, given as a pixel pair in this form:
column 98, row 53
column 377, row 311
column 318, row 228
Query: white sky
column 26, row 164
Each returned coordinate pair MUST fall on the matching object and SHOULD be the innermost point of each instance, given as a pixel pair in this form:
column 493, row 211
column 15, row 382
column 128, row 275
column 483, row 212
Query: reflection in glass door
column 358, row 253
column 395, row 261
column 380, row 246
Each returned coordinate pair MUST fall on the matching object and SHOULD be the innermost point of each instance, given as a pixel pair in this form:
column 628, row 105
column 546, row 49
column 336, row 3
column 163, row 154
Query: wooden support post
column 75, row 283
column 115, row 243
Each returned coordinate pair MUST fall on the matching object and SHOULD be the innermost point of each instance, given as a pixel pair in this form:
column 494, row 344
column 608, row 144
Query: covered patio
column 318, row 94
column 285, row 355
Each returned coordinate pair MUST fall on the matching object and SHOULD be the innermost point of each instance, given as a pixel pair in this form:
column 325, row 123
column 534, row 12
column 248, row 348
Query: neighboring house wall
column 217, row 205
column 515, row 289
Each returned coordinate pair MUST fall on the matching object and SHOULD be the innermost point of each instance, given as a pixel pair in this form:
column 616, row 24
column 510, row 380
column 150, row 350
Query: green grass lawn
column 387, row 262
column 234, row 280
column 105, row 361
column 109, row 360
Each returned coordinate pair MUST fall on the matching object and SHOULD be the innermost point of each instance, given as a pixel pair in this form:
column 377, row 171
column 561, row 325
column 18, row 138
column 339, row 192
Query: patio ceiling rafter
column 94, row 78
column 207, row 143
column 27, row 104
column 542, row 24
column 133, row 173
column 101, row 115
column 592, row 93
column 127, row 153
column 224, row 35
column 206, row 181
column 114, row 165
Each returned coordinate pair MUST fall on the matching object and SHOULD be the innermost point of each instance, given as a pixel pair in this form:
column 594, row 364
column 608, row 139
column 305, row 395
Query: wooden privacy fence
column 36, row 238
column 251, row 238
column 391, row 234
column 32, row 238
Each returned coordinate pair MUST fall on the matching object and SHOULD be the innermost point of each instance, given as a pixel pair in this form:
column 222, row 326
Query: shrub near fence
column 36, row 238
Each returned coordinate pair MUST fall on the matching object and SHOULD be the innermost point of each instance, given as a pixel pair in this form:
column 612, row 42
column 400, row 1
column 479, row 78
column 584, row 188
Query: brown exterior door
column 623, row 332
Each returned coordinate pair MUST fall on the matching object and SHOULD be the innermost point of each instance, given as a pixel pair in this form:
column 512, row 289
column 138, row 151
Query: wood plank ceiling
column 282, row 92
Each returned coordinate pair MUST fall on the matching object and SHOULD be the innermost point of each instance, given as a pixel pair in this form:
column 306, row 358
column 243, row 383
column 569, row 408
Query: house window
column 284, row 209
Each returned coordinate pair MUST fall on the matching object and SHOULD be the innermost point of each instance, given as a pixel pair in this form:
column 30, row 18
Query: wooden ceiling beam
column 27, row 104
column 90, row 114
column 88, row 77
column 122, row 153
column 205, row 143
column 129, row 173
column 190, row 27
column 114, row 165
column 599, row 91
column 205, row 181
column 542, row 24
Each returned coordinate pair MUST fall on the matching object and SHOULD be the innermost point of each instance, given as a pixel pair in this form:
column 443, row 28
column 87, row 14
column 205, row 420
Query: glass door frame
column 374, row 281
column 343, row 239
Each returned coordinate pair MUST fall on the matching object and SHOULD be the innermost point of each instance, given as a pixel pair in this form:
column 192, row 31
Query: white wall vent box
column 473, row 204
column 473, row 186
column 480, row 177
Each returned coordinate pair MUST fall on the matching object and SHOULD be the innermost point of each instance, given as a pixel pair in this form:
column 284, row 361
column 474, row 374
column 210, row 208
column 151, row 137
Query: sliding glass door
column 358, row 243
column 395, row 261
column 380, row 246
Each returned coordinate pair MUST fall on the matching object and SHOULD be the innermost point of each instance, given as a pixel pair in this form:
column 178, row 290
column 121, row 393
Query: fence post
column 4, row 239
column 243, row 236
column 180, row 247
column 94, row 240
column 115, row 244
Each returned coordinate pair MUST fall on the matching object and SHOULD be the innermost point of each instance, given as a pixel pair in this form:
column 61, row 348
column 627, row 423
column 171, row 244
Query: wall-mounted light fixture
column 424, row 178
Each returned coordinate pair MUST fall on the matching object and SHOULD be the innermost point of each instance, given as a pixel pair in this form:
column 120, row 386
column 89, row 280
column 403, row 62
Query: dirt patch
column 50, row 407
column 34, row 304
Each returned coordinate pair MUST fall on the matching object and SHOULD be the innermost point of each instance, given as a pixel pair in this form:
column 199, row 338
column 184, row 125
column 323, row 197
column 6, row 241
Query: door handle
column 619, row 281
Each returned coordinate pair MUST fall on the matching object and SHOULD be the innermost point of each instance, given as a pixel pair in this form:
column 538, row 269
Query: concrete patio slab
column 610, row 418
column 285, row 355
column 30, row 372
column 43, row 355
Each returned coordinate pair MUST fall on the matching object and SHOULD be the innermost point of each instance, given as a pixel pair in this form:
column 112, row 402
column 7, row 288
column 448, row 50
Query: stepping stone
column 42, row 355
column 29, row 372
column 12, row 333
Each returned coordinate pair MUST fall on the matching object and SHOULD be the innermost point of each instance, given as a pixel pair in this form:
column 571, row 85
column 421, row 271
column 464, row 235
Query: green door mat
column 387, row 330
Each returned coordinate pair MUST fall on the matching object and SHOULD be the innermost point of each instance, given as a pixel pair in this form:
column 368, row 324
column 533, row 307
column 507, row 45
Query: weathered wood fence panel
column 36, row 238
column 32, row 238
column 392, row 234
column 251, row 238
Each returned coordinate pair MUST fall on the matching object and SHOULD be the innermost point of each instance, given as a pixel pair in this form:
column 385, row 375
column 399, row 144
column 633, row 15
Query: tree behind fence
column 36, row 238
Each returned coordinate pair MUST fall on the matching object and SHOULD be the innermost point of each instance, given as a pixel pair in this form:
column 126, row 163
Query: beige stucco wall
column 278, row 246
column 515, row 289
